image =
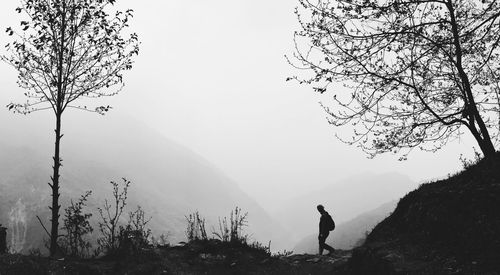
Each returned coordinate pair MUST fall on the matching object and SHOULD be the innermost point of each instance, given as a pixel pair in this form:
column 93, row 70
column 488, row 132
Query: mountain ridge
column 349, row 234
column 344, row 201
column 168, row 180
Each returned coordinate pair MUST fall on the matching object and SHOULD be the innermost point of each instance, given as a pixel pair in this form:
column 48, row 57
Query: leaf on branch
column 319, row 90
column 102, row 109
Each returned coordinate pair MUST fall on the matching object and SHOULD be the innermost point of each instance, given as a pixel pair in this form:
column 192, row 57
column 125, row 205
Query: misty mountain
column 349, row 234
column 168, row 180
column 344, row 200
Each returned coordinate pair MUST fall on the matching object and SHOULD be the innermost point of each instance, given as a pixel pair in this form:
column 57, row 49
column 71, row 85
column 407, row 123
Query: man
column 326, row 224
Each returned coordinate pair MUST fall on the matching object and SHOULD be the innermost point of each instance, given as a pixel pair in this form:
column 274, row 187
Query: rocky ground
column 195, row 258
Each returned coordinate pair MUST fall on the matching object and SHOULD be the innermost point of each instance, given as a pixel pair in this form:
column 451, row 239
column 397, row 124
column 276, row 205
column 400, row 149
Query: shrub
column 229, row 235
column 467, row 163
column 77, row 226
column 35, row 252
column 160, row 241
column 110, row 215
column 230, row 230
column 196, row 227
column 233, row 231
column 134, row 236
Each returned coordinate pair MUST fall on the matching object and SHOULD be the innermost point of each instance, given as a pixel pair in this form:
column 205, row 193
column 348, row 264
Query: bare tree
column 419, row 71
column 65, row 51
column 110, row 218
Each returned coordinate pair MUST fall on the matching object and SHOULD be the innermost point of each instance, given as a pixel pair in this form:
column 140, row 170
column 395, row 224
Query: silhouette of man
column 324, row 231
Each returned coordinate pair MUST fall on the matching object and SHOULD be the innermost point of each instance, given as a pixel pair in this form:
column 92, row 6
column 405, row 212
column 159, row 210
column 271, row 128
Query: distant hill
column 169, row 180
column 449, row 226
column 349, row 234
column 344, row 200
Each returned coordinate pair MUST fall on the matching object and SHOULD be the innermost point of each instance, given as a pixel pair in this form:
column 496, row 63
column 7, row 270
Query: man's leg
column 329, row 248
column 324, row 245
column 321, row 239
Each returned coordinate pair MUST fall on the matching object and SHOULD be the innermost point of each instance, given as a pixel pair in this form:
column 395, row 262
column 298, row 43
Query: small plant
column 466, row 163
column 196, row 227
column 233, row 231
column 230, row 234
column 35, row 252
column 281, row 254
column 160, row 241
column 110, row 215
column 135, row 236
column 77, row 226
column 262, row 247
column 138, row 221
column 224, row 233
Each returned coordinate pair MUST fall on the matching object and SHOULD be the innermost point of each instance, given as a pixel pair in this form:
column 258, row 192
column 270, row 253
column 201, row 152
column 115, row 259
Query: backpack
column 330, row 224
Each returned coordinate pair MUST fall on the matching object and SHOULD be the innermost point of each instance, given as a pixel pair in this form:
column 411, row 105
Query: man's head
column 320, row 208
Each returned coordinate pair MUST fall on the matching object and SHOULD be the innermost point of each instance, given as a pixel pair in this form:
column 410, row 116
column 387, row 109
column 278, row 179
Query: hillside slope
column 445, row 227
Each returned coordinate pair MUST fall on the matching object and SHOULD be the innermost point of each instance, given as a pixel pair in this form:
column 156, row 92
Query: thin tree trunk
column 55, row 189
column 58, row 110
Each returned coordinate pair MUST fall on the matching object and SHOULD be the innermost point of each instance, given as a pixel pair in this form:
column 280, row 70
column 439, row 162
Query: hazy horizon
column 211, row 77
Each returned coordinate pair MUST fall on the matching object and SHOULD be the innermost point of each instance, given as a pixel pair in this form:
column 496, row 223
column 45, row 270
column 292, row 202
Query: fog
column 211, row 76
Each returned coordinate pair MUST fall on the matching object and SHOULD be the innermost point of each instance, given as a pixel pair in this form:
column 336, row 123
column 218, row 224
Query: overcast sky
column 211, row 76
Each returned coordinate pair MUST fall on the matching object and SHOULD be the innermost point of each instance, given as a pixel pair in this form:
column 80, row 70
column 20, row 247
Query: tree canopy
column 418, row 72
column 69, row 49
